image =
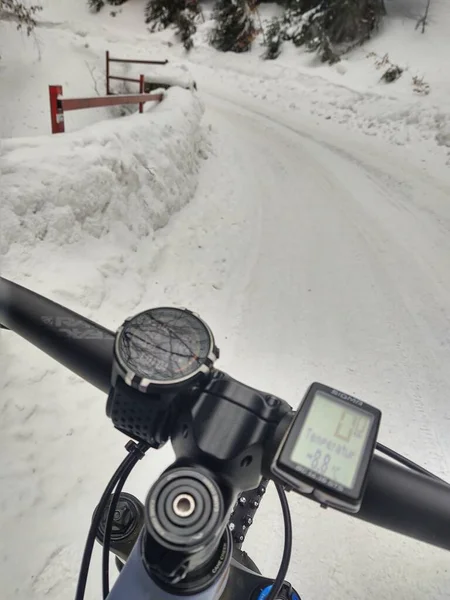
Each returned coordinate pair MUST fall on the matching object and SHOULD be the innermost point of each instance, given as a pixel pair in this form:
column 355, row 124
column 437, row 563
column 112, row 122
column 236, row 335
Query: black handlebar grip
column 407, row 502
column 74, row 341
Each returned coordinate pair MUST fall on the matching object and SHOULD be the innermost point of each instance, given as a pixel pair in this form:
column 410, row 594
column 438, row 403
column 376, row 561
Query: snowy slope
column 316, row 246
column 68, row 48
column 150, row 160
column 350, row 93
column 29, row 65
column 64, row 447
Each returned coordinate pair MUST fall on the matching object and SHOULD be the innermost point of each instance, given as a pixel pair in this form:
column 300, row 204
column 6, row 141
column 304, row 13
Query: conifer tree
column 162, row 13
column 22, row 13
column 235, row 28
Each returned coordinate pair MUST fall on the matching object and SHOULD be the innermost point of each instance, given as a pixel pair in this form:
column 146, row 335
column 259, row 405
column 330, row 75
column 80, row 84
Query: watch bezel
column 143, row 384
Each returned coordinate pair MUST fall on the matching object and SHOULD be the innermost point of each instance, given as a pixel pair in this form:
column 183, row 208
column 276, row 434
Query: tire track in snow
column 377, row 240
column 339, row 294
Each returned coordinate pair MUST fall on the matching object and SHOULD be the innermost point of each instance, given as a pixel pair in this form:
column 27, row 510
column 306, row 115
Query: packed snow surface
column 135, row 173
column 302, row 210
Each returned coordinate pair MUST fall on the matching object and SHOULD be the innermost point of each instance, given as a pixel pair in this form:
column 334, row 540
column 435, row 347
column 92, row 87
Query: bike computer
column 327, row 449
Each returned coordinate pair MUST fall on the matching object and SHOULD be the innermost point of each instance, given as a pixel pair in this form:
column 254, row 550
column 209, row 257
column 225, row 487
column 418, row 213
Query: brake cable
column 109, row 525
column 407, row 463
column 136, row 451
column 282, row 571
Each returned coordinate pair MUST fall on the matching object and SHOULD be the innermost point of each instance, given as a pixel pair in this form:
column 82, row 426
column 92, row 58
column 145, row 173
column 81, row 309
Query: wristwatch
column 158, row 354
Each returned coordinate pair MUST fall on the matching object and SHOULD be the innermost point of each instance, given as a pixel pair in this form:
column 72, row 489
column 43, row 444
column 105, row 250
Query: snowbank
column 173, row 73
column 120, row 178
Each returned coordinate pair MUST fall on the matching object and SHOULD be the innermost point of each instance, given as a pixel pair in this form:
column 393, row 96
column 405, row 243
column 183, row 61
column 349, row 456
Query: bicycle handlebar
column 76, row 342
column 407, row 502
column 396, row 498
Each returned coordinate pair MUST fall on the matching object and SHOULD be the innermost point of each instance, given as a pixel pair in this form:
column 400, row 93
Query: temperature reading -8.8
column 332, row 439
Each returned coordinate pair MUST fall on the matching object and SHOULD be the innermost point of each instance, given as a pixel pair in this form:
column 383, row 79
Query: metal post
column 107, row 73
column 141, row 91
column 56, row 109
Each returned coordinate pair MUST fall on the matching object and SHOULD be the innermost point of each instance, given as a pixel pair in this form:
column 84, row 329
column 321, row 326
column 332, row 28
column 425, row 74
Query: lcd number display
column 332, row 439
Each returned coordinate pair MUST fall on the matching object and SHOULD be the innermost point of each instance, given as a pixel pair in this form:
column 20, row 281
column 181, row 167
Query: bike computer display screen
column 328, row 448
column 333, row 439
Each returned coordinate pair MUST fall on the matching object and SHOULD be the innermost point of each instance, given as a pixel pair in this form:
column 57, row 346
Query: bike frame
column 134, row 583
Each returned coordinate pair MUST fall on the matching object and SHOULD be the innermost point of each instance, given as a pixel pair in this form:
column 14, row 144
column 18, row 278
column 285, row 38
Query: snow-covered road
column 350, row 266
column 310, row 260
column 349, row 287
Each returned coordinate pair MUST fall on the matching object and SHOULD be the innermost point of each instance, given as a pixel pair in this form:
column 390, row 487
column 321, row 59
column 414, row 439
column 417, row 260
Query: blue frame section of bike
column 134, row 583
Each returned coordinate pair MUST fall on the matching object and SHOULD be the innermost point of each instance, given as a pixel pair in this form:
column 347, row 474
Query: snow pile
column 121, row 178
column 156, row 78
column 399, row 121
column 171, row 74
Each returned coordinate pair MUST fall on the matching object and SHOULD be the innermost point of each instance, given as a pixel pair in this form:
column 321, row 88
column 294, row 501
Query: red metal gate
column 59, row 104
column 126, row 60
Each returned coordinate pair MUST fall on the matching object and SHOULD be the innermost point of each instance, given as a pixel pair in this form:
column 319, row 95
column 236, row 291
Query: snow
column 171, row 74
column 150, row 160
column 351, row 92
column 29, row 66
column 305, row 215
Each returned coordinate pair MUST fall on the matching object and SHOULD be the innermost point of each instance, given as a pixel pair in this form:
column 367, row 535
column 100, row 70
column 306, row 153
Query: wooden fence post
column 56, row 109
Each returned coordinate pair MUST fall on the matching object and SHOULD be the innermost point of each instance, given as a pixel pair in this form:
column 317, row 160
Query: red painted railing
column 59, row 104
column 126, row 60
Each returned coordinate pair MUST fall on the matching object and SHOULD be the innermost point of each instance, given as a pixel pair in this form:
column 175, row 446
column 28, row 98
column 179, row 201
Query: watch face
column 164, row 345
